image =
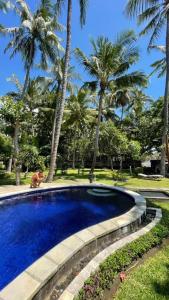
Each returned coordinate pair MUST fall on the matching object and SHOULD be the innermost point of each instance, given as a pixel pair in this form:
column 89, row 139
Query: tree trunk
column 82, row 163
column 122, row 113
column 9, row 167
column 16, row 153
column 63, row 96
column 165, row 107
column 55, row 118
column 167, row 149
column 111, row 163
column 74, row 159
column 121, row 163
column 96, row 145
column 26, row 83
column 17, row 129
column 54, row 128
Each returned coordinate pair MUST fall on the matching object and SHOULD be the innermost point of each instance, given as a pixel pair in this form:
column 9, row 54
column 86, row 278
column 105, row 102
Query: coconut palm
column 34, row 34
column 156, row 14
column 78, row 116
column 59, row 3
column 132, row 99
column 108, row 65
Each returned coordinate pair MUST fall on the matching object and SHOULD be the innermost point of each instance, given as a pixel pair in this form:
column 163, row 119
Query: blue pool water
column 31, row 225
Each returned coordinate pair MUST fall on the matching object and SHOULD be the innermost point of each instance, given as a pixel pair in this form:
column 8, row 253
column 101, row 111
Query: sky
column 104, row 17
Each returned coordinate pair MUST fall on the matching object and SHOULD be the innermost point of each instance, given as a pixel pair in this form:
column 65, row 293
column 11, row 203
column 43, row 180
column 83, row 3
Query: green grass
column 149, row 281
column 103, row 176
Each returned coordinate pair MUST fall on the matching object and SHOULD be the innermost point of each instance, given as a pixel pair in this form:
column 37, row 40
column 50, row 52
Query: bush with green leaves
column 30, row 158
column 102, row 279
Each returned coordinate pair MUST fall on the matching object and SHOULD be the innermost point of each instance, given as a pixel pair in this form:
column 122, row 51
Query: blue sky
column 104, row 17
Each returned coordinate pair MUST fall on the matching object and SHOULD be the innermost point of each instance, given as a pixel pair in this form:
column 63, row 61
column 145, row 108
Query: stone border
column 31, row 281
column 161, row 198
column 72, row 290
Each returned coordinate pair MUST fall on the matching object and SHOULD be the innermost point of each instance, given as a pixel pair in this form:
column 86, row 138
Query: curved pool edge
column 36, row 277
column 78, row 282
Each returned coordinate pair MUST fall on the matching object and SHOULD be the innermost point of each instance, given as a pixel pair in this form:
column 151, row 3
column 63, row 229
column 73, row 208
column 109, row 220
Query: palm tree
column 35, row 33
column 156, row 13
column 83, row 4
column 78, row 116
column 132, row 99
column 108, row 65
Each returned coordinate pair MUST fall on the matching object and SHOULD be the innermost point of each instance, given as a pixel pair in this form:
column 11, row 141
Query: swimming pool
column 32, row 224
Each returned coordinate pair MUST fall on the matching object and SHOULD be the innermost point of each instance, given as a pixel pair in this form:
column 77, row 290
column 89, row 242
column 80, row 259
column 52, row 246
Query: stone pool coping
column 31, row 280
column 77, row 283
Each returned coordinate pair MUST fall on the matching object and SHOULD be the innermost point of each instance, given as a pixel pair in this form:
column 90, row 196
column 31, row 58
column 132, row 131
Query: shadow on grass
column 76, row 177
column 162, row 288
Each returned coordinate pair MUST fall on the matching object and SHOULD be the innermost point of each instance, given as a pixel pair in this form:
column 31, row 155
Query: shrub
column 117, row 176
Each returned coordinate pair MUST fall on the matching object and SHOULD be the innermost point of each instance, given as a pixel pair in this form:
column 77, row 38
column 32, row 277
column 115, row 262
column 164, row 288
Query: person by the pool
column 36, row 179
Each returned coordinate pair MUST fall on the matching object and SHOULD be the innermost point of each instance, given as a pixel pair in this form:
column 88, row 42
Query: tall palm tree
column 156, row 14
column 35, row 33
column 108, row 65
column 83, row 4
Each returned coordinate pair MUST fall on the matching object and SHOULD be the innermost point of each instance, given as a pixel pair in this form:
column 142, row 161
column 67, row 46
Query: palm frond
column 136, row 7
column 132, row 79
column 83, row 7
column 149, row 12
column 90, row 85
column 159, row 68
column 58, row 6
column 126, row 38
column 25, row 11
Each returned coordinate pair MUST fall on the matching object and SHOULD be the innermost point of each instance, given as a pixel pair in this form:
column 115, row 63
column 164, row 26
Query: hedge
column 103, row 278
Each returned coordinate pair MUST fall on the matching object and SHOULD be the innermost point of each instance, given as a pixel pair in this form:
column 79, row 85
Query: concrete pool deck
column 36, row 281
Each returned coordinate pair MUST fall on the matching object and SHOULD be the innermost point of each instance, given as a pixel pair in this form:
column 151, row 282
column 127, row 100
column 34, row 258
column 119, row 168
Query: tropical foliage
column 57, row 119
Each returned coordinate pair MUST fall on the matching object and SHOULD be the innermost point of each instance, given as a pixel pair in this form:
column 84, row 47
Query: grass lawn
column 102, row 176
column 149, row 281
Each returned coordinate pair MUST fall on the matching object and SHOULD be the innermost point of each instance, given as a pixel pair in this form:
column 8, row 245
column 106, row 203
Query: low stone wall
column 72, row 290
column 37, row 281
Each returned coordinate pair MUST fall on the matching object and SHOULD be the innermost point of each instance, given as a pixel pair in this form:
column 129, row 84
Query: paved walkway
column 6, row 189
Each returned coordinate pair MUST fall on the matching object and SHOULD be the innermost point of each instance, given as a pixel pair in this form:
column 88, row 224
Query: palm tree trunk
column 55, row 117
column 26, row 82
column 17, row 129
column 96, row 145
column 54, row 127
column 16, row 153
column 165, row 108
column 62, row 102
